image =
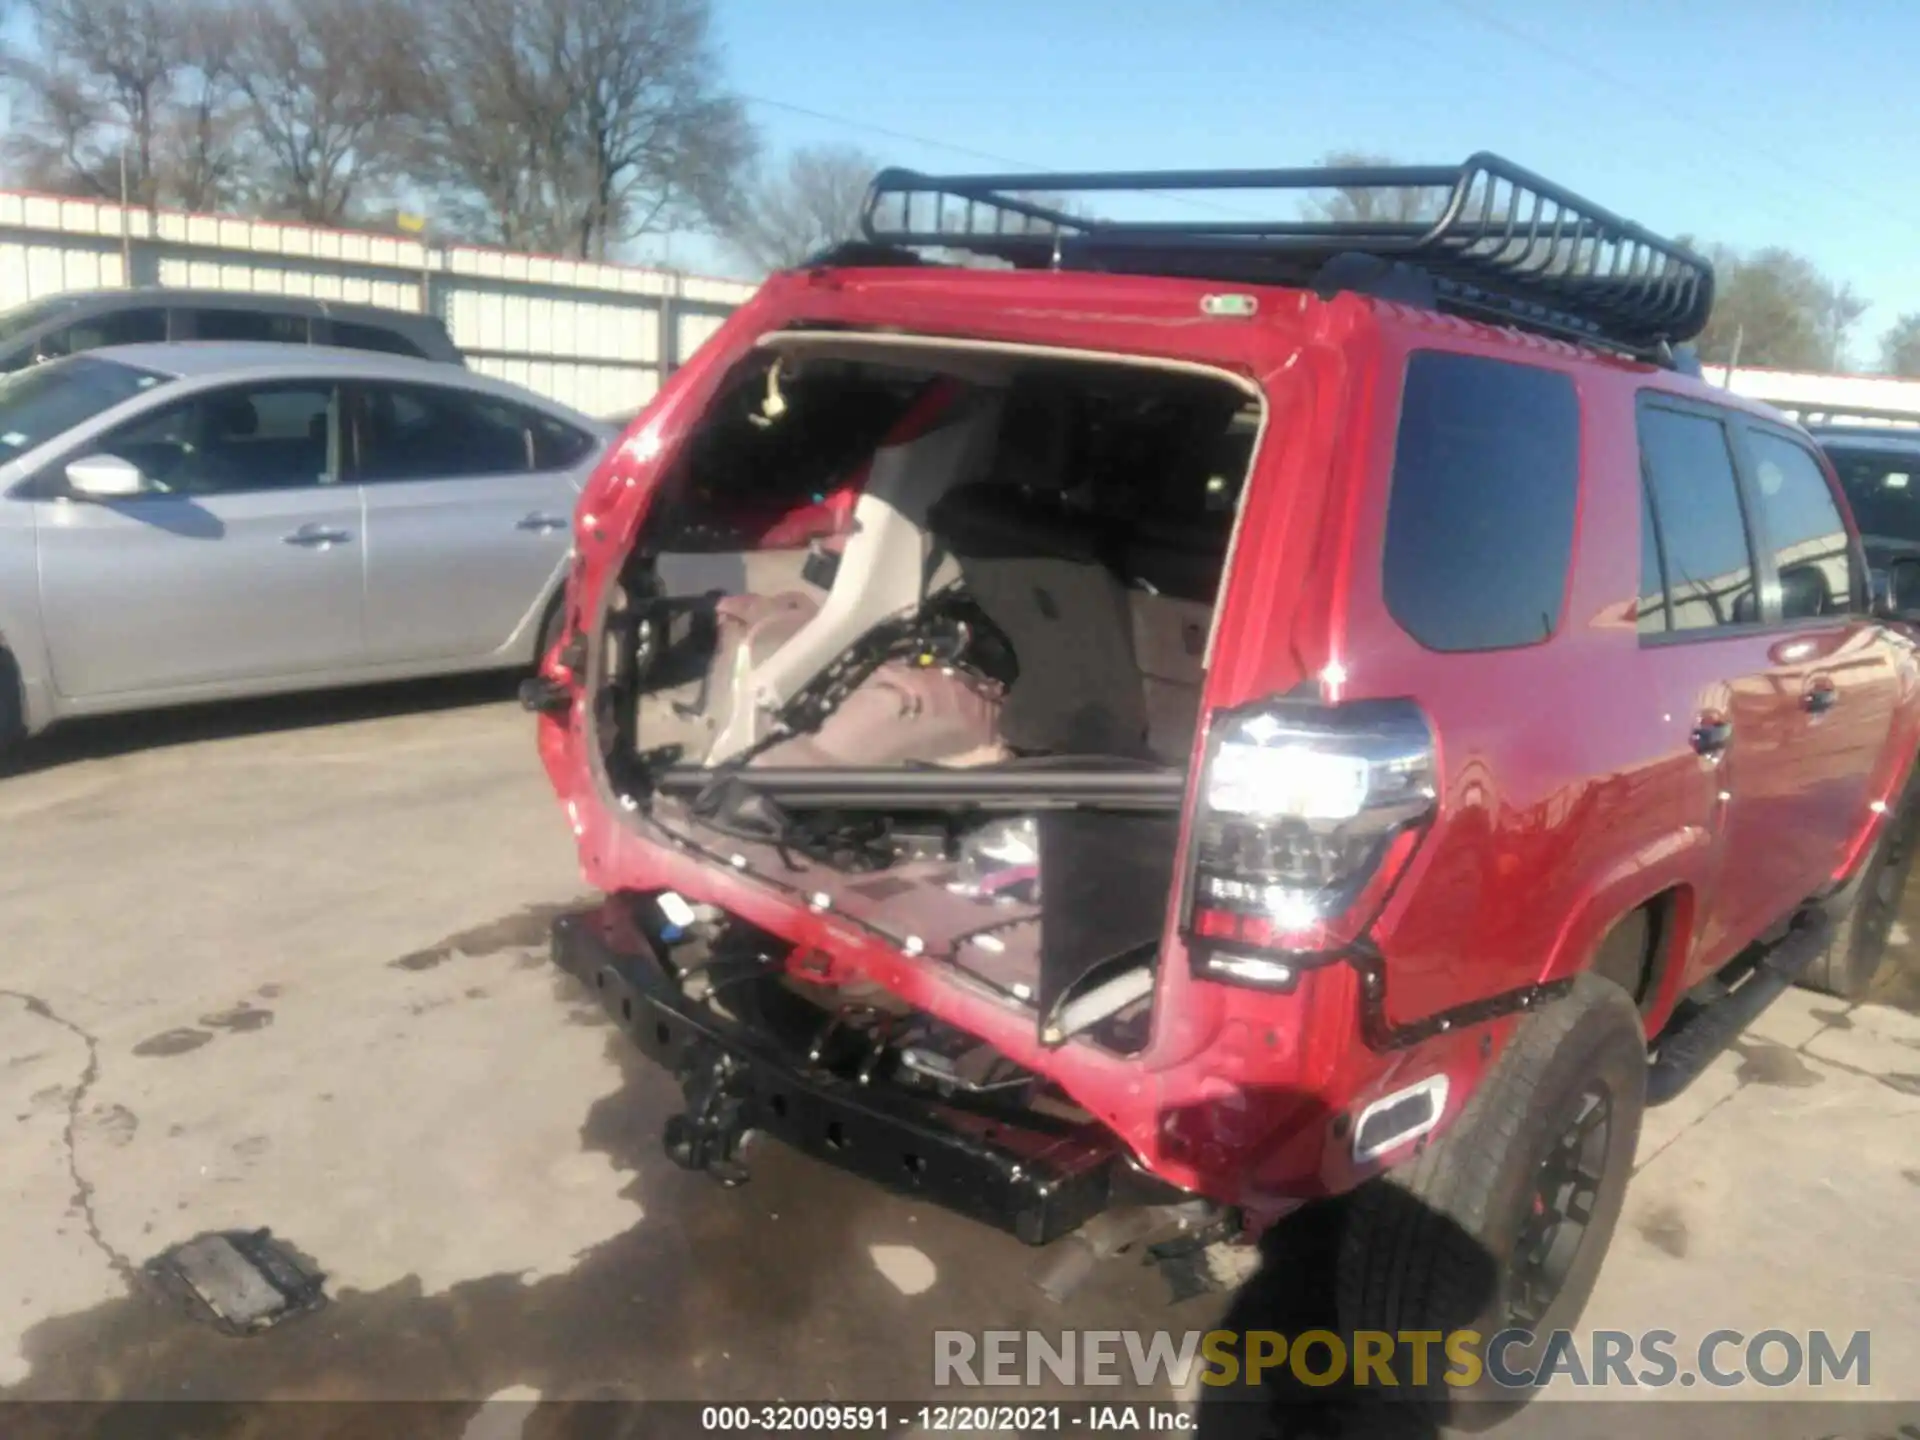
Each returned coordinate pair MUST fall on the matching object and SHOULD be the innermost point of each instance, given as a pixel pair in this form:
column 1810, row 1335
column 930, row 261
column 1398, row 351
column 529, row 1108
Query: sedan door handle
column 317, row 537
column 541, row 523
column 1710, row 737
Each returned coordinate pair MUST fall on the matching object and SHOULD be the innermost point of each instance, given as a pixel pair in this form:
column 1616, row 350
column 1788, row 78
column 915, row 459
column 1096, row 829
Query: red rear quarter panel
column 1569, row 794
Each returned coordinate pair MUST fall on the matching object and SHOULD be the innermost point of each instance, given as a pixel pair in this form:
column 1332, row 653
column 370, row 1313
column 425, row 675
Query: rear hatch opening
column 917, row 631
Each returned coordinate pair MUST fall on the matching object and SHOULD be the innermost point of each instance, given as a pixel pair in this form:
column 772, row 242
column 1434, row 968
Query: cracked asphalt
column 283, row 965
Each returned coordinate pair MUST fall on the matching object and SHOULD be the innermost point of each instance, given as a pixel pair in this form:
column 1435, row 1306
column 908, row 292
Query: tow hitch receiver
column 773, row 1064
column 712, row 1132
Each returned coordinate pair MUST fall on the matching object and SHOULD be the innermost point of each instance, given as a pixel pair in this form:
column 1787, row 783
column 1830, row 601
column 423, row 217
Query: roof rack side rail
column 1487, row 228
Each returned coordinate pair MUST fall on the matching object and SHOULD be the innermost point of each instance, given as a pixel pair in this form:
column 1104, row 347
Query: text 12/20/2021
column 944, row 1419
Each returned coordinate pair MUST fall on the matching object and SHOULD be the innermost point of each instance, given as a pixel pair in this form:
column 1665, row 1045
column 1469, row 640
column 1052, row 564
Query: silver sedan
column 196, row 522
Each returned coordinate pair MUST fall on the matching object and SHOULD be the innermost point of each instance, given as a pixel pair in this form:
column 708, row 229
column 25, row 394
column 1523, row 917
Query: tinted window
column 115, row 327
column 1651, row 608
column 38, row 404
column 249, row 325
column 418, row 432
column 1696, row 507
column 1883, row 487
column 373, row 337
column 1811, row 552
column 557, row 445
column 254, row 437
column 1231, row 462
column 1480, row 522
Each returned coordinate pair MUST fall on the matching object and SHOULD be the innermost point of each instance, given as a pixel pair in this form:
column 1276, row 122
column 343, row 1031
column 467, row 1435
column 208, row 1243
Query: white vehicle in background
column 208, row 521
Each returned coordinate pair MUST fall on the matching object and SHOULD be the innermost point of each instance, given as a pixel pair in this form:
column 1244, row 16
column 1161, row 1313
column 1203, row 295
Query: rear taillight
column 1306, row 813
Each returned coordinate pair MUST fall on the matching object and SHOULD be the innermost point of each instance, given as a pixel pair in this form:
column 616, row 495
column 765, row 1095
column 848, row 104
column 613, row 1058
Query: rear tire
column 1625, row 954
column 1865, row 908
column 1503, row 1221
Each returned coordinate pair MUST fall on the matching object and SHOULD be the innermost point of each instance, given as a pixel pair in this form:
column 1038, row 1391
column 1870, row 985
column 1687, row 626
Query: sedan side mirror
column 105, row 477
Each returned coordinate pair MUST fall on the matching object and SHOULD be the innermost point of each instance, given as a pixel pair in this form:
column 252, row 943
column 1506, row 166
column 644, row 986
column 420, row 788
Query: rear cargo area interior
column 997, row 564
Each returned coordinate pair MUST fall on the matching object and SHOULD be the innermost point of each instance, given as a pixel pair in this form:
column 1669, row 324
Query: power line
column 871, row 129
column 1655, row 97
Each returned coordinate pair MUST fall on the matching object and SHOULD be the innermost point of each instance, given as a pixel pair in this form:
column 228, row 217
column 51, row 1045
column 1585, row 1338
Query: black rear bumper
column 1025, row 1174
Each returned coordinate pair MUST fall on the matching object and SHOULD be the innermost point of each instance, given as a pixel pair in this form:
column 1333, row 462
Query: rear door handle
column 317, row 537
column 1710, row 737
column 541, row 523
column 1821, row 698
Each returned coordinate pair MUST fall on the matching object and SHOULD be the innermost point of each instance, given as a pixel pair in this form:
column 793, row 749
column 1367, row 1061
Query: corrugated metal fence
column 597, row 337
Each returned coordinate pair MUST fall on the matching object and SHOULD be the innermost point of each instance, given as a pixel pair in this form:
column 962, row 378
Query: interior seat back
column 885, row 562
column 1170, row 641
column 1040, row 577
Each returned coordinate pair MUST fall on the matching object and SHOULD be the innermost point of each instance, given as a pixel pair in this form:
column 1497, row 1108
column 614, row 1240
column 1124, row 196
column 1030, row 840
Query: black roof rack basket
column 1495, row 240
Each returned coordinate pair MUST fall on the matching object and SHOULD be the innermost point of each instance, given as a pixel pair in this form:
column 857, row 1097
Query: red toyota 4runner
column 1228, row 710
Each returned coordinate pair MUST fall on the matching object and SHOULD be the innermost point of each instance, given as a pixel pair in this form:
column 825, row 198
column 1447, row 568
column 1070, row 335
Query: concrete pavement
column 283, row 966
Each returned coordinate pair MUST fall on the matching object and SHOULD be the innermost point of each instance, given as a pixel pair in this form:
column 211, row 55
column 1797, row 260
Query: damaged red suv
column 1074, row 713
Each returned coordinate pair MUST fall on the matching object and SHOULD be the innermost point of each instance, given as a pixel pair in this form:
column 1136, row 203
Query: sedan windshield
column 1883, row 487
column 46, row 401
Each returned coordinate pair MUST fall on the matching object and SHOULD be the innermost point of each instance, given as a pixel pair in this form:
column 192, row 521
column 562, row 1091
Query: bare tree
column 1840, row 307
column 563, row 125
column 1780, row 310
column 125, row 88
column 1369, row 204
column 1900, row 347
column 201, row 142
column 486, row 125
column 61, row 144
column 323, row 82
column 809, row 204
column 660, row 142
column 108, row 67
column 575, row 125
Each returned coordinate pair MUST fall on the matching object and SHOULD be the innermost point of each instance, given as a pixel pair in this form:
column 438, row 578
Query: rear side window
column 116, row 327
column 1698, row 527
column 556, row 445
column 249, row 325
column 418, row 432
column 1811, row 553
column 1652, row 604
column 1486, row 476
column 1883, row 487
column 372, row 337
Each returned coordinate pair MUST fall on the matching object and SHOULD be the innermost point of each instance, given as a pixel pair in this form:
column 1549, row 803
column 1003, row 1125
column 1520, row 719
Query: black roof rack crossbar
column 1497, row 239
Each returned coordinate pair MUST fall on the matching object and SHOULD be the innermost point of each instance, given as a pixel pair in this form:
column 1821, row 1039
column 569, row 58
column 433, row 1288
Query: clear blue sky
column 1757, row 123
